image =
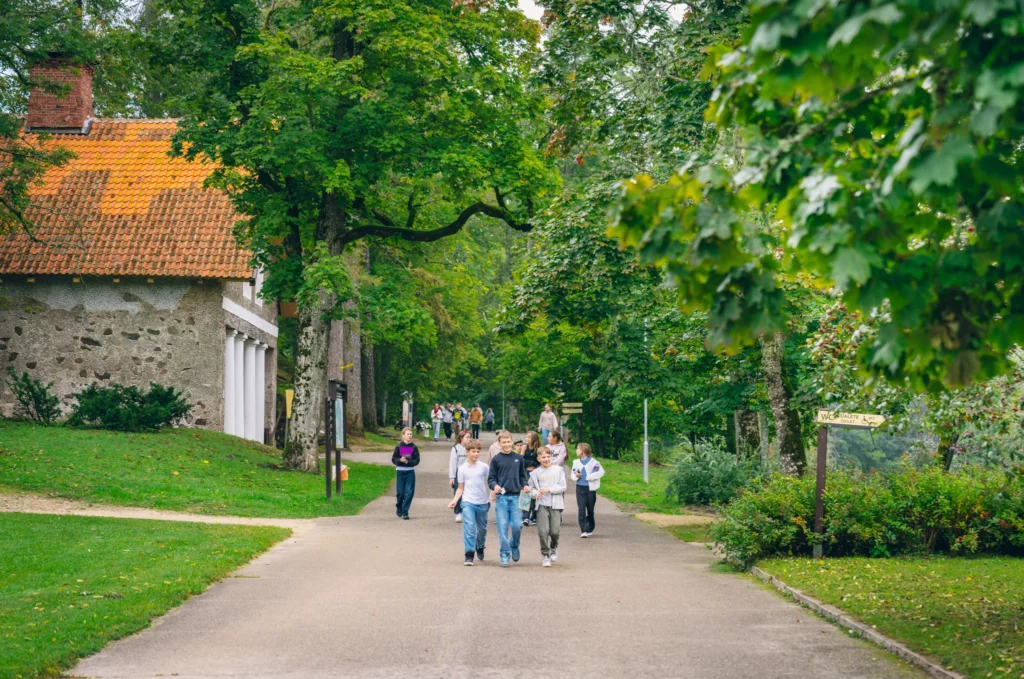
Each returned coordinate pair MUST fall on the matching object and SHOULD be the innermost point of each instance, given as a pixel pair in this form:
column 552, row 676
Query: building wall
column 131, row 333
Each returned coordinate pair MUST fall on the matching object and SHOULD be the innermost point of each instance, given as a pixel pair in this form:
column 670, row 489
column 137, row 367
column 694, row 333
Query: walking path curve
column 374, row 596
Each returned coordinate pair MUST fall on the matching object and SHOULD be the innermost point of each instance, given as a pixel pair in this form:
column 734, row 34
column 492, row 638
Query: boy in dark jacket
column 506, row 478
column 405, row 457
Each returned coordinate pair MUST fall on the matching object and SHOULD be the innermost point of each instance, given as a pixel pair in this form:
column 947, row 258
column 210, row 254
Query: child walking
column 587, row 473
column 557, row 448
column 474, row 496
column 547, row 486
column 405, row 458
column 507, row 477
column 456, row 460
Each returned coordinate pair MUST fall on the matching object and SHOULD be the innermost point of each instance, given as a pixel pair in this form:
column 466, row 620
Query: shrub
column 706, row 474
column 34, row 398
column 900, row 511
column 121, row 408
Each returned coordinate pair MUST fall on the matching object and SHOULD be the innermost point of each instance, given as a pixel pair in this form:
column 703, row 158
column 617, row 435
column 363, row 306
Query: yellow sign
column 289, row 396
column 572, row 405
column 345, row 366
column 850, row 419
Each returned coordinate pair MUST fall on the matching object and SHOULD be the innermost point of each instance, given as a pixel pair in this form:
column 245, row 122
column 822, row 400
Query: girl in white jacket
column 587, row 473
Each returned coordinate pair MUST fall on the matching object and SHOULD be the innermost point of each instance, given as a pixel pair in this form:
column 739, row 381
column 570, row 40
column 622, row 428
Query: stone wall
column 130, row 333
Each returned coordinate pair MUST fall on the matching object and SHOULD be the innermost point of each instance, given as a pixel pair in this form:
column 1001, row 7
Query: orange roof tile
column 123, row 207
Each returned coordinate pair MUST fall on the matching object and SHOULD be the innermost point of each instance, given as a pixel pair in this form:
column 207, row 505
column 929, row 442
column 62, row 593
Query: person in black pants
column 405, row 458
column 530, row 456
column 587, row 473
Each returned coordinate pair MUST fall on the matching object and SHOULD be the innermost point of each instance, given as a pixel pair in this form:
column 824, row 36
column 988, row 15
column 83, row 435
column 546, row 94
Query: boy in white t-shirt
column 475, row 496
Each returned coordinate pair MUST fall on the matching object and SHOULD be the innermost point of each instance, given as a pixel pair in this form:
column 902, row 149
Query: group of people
column 455, row 417
column 525, row 480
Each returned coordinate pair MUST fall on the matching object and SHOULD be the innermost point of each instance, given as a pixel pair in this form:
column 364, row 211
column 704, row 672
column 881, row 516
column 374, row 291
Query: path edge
column 844, row 620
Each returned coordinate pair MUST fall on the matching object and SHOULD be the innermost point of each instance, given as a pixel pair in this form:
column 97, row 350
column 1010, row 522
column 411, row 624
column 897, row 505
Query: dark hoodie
column 407, row 450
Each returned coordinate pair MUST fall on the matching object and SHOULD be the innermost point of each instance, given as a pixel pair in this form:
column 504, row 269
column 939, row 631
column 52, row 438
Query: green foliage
column 35, row 401
column 961, row 612
column 72, row 584
column 185, row 470
column 903, row 511
column 883, row 141
column 121, row 408
column 706, row 474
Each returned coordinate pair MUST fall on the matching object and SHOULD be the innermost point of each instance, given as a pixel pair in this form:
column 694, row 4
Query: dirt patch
column 666, row 520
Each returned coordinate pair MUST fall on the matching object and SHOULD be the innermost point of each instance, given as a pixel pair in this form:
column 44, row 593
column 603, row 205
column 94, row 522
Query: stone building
column 130, row 273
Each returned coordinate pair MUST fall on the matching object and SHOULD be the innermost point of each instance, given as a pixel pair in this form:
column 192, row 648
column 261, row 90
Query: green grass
column 623, row 483
column 692, row 533
column 71, row 584
column 188, row 470
column 966, row 613
column 382, row 440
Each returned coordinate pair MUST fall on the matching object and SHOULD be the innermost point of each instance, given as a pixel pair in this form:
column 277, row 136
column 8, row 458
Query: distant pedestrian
column 530, row 457
column 405, row 458
column 587, row 473
column 456, row 460
column 507, row 477
column 458, row 417
column 473, row 494
column 547, row 487
column 548, row 423
column 446, row 421
column 489, row 420
column 436, row 418
column 476, row 417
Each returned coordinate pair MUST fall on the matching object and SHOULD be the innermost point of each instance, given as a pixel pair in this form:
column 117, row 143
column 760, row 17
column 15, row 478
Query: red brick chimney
column 50, row 111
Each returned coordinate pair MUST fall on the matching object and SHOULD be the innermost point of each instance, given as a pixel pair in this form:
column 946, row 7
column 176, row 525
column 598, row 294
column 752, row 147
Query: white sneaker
column 554, row 555
column 458, row 518
column 546, row 563
column 584, row 535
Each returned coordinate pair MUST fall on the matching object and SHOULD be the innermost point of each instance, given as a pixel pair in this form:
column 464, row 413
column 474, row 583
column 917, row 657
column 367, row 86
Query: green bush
column 900, row 511
column 34, row 398
column 706, row 474
column 121, row 408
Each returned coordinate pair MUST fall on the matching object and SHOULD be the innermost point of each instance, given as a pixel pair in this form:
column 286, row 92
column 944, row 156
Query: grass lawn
column 623, row 483
column 71, row 584
column 694, row 533
column 188, row 470
column 966, row 613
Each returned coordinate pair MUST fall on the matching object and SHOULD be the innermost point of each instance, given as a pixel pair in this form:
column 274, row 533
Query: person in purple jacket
column 405, row 458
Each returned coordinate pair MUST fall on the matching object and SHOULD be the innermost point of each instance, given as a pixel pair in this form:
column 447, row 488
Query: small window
column 259, row 286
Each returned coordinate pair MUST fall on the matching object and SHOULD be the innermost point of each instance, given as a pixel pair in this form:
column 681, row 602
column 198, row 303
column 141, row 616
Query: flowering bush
column 904, row 510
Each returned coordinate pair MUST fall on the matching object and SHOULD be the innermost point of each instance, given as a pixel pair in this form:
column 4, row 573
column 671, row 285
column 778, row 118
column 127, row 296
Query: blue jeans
column 543, row 437
column 405, row 488
column 474, row 526
column 437, row 430
column 508, row 515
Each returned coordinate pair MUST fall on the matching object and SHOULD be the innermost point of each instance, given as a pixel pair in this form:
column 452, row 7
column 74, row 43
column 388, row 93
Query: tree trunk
column 792, row 455
column 948, row 449
column 730, row 434
column 747, row 437
column 762, row 433
column 301, row 450
column 369, row 386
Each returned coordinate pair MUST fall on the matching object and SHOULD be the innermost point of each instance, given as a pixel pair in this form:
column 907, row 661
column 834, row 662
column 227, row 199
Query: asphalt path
column 374, row 596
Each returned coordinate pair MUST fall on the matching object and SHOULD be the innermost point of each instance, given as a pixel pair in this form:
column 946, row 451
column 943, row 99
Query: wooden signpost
column 572, row 408
column 828, row 418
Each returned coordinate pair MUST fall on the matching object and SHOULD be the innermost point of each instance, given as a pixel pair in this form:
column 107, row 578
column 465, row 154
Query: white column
column 250, row 388
column 229, row 382
column 239, row 401
column 261, row 390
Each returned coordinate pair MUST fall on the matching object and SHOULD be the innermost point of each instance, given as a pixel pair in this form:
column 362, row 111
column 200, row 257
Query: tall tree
column 884, row 141
column 338, row 121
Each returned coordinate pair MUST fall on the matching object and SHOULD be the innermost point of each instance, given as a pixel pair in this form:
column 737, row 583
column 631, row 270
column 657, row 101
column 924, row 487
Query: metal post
column 647, row 447
column 647, row 442
column 503, row 406
column 819, row 492
column 328, row 412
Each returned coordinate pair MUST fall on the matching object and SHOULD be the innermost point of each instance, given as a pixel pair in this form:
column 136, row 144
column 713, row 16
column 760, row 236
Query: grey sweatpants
column 549, row 526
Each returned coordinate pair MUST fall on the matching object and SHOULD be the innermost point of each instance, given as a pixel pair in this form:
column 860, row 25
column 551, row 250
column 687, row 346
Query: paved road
column 374, row 596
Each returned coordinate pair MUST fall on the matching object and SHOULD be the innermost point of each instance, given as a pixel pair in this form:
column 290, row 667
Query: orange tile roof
column 123, row 207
